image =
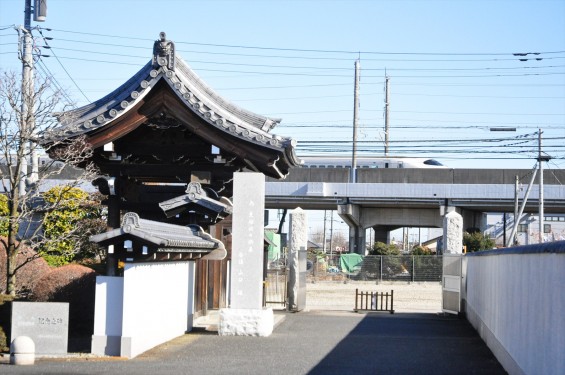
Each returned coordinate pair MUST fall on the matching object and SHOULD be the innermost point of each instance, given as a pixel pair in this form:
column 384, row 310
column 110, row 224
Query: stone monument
column 246, row 315
column 46, row 323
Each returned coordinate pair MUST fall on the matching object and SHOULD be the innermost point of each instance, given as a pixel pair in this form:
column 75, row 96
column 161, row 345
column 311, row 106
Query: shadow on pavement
column 410, row 344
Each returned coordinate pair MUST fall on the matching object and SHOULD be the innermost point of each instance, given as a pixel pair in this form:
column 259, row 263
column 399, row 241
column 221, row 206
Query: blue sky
column 451, row 65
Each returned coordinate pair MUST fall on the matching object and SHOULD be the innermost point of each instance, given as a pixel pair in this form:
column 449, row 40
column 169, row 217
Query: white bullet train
column 369, row 162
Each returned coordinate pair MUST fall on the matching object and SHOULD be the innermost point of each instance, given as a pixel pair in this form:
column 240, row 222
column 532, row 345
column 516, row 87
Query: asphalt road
column 307, row 343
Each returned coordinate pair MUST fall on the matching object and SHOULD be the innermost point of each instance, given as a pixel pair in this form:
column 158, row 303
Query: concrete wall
column 514, row 298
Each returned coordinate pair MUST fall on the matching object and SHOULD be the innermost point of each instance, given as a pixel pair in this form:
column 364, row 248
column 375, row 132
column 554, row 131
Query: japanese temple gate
column 167, row 147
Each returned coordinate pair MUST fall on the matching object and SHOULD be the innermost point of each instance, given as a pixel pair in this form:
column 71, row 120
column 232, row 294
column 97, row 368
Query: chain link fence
column 408, row 268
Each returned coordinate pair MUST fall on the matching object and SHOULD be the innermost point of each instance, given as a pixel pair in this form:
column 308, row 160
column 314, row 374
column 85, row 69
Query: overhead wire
column 45, row 40
column 313, row 72
column 352, row 52
column 47, row 74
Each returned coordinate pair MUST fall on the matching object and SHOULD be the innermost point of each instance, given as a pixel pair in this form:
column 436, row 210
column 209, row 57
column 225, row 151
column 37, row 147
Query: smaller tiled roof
column 165, row 237
column 196, row 196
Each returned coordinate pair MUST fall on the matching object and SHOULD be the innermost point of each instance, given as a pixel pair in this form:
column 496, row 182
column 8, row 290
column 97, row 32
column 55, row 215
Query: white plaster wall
column 516, row 303
column 158, row 303
column 108, row 307
column 108, row 312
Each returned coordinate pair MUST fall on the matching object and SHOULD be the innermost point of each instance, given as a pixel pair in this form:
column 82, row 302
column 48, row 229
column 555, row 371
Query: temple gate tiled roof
column 226, row 122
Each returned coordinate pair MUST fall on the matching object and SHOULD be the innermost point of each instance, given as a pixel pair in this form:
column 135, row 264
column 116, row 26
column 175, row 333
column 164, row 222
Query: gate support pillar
column 452, row 233
column 297, row 250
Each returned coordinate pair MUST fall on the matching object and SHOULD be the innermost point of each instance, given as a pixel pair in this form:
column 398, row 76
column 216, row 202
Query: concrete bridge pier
column 382, row 233
column 357, row 240
column 385, row 220
column 473, row 219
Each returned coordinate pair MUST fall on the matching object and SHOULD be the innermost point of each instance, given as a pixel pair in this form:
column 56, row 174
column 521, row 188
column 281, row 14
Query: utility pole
column 28, row 95
column 331, row 237
column 541, row 159
column 515, row 227
column 504, row 228
column 324, row 236
column 353, row 174
column 386, row 116
column 516, row 218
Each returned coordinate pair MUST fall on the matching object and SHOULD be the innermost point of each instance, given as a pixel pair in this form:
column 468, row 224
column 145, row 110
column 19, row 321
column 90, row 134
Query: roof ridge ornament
column 131, row 219
column 164, row 52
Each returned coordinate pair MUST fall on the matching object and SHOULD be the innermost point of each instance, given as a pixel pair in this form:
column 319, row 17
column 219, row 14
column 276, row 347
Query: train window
column 547, row 228
column 522, row 228
column 432, row 162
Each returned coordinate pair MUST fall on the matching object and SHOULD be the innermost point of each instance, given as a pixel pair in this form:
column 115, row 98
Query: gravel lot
column 339, row 295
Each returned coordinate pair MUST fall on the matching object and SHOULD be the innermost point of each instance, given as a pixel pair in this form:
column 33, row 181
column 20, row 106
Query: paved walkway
column 307, row 343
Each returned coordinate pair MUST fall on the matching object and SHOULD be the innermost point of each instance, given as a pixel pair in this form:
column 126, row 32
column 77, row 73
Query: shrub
column 4, row 215
column 32, row 269
column 381, row 248
column 421, row 250
column 476, row 241
column 75, row 216
column 74, row 284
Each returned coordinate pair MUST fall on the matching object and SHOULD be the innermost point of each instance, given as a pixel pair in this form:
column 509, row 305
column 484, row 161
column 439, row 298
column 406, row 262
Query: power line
column 301, row 57
column 47, row 74
column 231, row 63
column 63, row 67
column 326, row 65
column 428, row 112
column 356, row 53
column 275, row 73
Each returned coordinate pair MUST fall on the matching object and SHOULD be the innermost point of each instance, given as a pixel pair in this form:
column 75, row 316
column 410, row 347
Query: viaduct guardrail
column 423, row 176
column 485, row 190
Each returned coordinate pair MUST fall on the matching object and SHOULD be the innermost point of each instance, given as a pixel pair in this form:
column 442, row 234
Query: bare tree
column 339, row 240
column 317, row 235
column 26, row 117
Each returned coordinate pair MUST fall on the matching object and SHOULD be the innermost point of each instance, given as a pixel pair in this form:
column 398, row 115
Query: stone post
column 246, row 315
column 452, row 233
column 297, row 248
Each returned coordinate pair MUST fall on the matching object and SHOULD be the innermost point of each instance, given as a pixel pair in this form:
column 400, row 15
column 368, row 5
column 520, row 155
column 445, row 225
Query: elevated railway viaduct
column 387, row 199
